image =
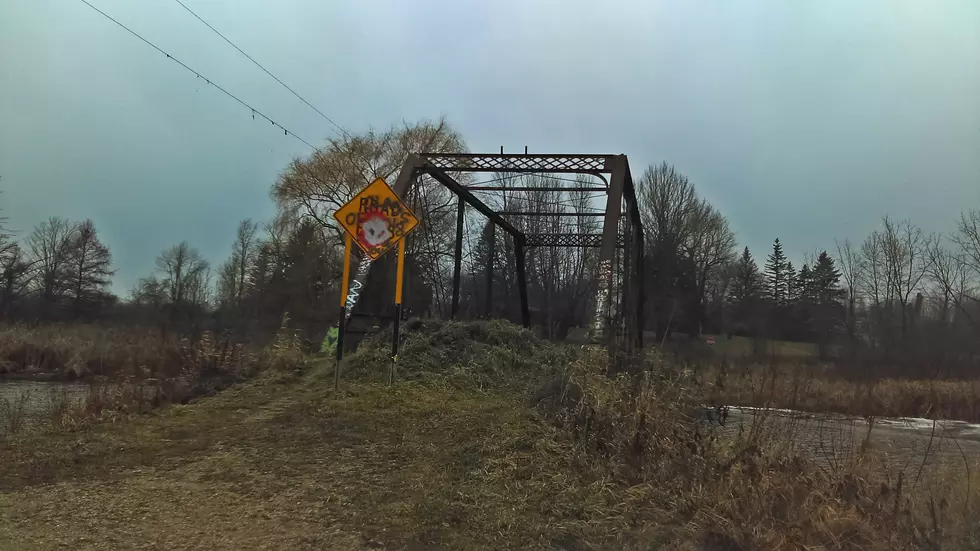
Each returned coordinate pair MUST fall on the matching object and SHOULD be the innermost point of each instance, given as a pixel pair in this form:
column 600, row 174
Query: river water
column 33, row 401
column 904, row 443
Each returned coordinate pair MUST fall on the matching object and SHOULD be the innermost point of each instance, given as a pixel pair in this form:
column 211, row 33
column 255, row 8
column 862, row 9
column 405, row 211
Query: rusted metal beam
column 519, row 251
column 593, row 189
column 607, row 250
column 458, row 257
column 471, row 199
column 579, row 240
column 533, row 213
column 494, row 162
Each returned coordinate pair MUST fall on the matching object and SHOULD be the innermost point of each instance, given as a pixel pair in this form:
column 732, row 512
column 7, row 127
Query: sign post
column 398, row 310
column 341, row 323
column 375, row 219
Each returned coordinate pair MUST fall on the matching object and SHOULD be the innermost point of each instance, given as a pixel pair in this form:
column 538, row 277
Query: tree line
column 900, row 293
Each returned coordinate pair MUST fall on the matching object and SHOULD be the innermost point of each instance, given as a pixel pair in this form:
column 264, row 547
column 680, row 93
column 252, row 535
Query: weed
column 13, row 412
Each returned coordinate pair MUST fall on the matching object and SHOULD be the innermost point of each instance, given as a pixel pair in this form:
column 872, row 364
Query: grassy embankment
column 789, row 375
column 120, row 370
column 455, row 455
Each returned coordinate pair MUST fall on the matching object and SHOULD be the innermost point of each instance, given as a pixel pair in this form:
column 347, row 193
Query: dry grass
column 745, row 347
column 753, row 491
column 194, row 368
column 807, row 389
column 68, row 352
column 282, row 462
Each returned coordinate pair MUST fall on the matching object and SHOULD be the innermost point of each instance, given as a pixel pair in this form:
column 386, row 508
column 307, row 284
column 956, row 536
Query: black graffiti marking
column 356, row 285
column 397, row 216
column 390, row 208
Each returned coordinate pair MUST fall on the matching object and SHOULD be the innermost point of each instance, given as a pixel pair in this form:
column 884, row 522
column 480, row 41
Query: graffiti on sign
column 376, row 219
column 356, row 285
column 329, row 345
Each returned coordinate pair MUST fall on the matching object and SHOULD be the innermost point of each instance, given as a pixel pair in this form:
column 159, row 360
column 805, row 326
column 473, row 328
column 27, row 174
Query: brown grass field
column 457, row 455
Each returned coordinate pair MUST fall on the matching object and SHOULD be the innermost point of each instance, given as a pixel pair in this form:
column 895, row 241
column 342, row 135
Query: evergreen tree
column 826, row 281
column 747, row 284
column 827, row 310
column 804, row 285
column 776, row 277
column 746, row 293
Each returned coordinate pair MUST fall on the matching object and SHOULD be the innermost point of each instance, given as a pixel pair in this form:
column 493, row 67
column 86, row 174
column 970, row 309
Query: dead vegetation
column 452, row 456
column 184, row 369
column 815, row 389
column 84, row 352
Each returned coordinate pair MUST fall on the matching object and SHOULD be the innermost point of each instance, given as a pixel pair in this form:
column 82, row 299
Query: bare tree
column 149, row 291
column 967, row 239
column 89, row 268
column 849, row 263
column 7, row 243
column 50, row 246
column 15, row 280
column 182, row 268
column 14, row 270
column 710, row 244
column 316, row 186
column 234, row 273
column 905, row 263
column 559, row 279
column 244, row 253
column 946, row 271
column 687, row 241
column 198, row 287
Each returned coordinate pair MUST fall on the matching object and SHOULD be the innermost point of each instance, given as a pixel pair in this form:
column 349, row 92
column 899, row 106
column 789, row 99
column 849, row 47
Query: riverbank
column 81, row 352
column 806, row 388
column 468, row 450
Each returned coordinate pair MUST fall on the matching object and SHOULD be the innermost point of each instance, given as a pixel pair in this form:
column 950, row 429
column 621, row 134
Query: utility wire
column 259, row 65
column 199, row 75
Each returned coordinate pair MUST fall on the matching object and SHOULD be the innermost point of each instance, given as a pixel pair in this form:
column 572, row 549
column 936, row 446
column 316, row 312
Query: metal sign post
column 375, row 219
column 398, row 310
column 342, row 321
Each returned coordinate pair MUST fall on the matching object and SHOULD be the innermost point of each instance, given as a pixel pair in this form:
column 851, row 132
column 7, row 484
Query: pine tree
column 828, row 310
column 747, row 284
column 776, row 277
column 804, row 284
column 826, row 281
column 792, row 293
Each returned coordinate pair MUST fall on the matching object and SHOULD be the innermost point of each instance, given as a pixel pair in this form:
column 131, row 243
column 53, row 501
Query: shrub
column 484, row 353
column 746, row 490
column 286, row 351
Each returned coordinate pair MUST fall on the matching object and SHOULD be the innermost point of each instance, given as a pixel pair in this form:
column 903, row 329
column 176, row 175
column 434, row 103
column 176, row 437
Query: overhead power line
column 255, row 111
column 259, row 65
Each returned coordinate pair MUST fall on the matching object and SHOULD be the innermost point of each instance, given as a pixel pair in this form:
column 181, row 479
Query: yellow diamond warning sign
column 376, row 219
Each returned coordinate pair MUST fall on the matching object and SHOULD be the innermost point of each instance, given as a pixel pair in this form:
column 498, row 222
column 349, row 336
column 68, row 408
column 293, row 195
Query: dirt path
column 280, row 464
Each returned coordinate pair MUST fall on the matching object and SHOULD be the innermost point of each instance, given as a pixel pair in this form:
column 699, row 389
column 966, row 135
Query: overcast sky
column 802, row 120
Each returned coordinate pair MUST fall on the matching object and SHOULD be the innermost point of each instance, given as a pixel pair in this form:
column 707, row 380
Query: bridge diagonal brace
column 472, row 200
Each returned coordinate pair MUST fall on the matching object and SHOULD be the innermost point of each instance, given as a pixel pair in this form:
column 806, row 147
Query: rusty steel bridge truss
column 619, row 296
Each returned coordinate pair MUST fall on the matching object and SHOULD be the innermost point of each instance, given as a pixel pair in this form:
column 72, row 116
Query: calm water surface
column 904, row 443
column 36, row 399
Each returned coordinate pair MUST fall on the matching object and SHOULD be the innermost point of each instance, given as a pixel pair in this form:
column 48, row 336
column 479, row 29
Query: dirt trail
column 279, row 463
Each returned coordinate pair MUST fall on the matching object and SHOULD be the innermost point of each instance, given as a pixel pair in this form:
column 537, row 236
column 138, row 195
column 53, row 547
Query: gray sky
column 802, row 120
